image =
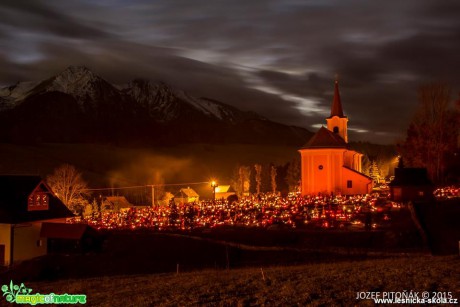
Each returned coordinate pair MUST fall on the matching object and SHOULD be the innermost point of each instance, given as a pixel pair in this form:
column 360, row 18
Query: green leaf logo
column 13, row 290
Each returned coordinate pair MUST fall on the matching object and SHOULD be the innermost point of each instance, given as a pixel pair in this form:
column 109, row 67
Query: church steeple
column 337, row 122
column 336, row 109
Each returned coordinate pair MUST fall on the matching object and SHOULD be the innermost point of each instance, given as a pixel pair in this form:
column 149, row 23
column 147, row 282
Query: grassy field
column 141, row 252
column 327, row 284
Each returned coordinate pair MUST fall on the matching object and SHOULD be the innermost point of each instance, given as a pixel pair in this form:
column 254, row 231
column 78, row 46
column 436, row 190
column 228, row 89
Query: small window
column 336, row 129
column 349, row 184
column 38, row 201
column 320, row 167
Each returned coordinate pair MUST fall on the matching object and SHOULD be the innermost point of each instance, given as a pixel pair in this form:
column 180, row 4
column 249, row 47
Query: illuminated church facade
column 328, row 166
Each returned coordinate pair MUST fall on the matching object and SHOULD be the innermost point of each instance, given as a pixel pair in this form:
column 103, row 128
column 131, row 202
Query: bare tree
column 68, row 185
column 258, row 169
column 245, row 173
column 159, row 188
column 293, row 174
column 241, row 180
column 433, row 131
column 273, row 174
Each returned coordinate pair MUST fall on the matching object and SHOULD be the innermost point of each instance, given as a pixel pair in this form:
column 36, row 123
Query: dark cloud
column 38, row 16
column 277, row 58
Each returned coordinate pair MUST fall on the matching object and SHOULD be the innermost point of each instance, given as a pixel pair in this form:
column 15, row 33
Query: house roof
column 119, row 201
column 410, row 177
column 64, row 231
column 188, row 192
column 324, row 138
column 223, row 189
column 14, row 200
column 336, row 109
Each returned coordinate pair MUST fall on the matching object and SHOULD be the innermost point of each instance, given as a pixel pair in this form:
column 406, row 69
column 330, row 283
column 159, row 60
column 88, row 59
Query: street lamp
column 214, row 185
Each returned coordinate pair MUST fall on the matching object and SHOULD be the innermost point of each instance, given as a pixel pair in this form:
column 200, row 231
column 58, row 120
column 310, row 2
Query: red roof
column 336, row 109
column 63, row 231
column 324, row 138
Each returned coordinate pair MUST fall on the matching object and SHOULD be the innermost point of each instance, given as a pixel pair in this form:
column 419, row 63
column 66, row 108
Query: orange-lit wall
column 333, row 176
column 325, row 180
column 341, row 124
column 5, row 238
column 26, row 243
column 352, row 159
column 360, row 183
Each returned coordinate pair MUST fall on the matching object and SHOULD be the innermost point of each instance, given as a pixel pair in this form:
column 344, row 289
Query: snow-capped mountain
column 77, row 81
column 78, row 105
column 166, row 104
column 10, row 95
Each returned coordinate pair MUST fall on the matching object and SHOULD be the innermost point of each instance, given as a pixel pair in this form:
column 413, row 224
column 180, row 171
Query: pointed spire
column 336, row 103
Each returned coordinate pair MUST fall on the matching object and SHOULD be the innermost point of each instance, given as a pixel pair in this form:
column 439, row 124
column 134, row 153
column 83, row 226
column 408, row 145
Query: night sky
column 278, row 58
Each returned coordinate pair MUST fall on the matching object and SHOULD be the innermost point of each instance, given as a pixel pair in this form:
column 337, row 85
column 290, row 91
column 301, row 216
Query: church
column 328, row 165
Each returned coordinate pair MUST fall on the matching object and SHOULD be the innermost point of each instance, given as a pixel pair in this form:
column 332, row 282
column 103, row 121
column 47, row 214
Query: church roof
column 336, row 109
column 324, row 138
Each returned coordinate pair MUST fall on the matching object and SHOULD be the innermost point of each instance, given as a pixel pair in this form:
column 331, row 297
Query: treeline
column 382, row 157
column 433, row 136
column 266, row 178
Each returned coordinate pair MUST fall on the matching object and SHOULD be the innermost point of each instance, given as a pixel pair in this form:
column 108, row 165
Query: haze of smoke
column 149, row 169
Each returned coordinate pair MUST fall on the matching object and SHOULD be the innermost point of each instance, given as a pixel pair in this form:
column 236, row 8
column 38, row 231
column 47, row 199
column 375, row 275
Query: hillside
column 78, row 106
column 328, row 284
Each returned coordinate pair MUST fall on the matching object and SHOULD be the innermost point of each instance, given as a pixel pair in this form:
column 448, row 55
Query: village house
column 116, row 203
column 26, row 202
column 187, row 195
column 411, row 184
column 224, row 192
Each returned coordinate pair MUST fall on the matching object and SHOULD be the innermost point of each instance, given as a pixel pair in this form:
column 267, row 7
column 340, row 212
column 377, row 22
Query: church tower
column 328, row 164
column 337, row 122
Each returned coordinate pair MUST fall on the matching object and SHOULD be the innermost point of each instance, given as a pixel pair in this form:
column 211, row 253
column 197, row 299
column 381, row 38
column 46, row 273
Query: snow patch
column 209, row 108
column 18, row 91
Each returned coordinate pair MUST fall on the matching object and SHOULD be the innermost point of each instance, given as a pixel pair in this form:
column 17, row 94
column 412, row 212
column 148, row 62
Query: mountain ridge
column 77, row 105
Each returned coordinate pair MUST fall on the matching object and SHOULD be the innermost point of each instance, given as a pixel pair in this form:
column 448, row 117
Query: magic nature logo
column 22, row 295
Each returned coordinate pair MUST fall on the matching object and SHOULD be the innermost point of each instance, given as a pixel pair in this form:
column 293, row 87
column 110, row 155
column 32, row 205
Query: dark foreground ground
column 140, row 252
column 326, row 284
column 251, row 267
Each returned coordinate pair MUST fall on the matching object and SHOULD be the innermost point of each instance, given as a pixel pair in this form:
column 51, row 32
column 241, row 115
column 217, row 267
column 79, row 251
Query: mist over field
column 105, row 166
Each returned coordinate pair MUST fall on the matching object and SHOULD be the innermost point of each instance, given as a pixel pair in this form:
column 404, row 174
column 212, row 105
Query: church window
column 349, row 184
column 320, row 167
column 336, row 129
